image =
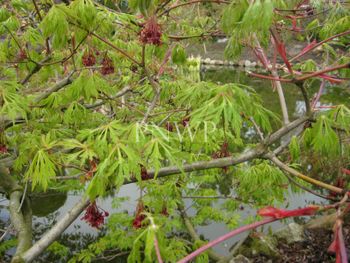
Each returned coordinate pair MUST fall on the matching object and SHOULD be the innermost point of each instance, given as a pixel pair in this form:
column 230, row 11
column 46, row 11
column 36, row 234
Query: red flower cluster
column 281, row 213
column 139, row 216
column 3, row 148
column 22, row 55
column 93, row 167
column 223, row 152
column 164, row 211
column 185, row 121
column 93, row 216
column 107, row 66
column 169, row 126
column 89, row 58
column 151, row 32
column 144, row 173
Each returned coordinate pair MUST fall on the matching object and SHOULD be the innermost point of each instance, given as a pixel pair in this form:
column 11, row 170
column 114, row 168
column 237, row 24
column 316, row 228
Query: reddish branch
column 156, row 246
column 319, row 73
column 319, row 44
column 225, row 237
column 275, row 214
column 124, row 53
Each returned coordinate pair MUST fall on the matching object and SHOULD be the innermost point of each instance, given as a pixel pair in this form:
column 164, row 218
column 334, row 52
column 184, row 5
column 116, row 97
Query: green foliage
column 261, row 183
column 88, row 86
column 41, row 170
column 7, row 244
column 325, row 140
column 85, row 12
column 55, row 25
column 58, row 249
column 294, row 149
column 179, row 55
column 233, row 15
column 248, row 20
column 108, row 129
column 12, row 104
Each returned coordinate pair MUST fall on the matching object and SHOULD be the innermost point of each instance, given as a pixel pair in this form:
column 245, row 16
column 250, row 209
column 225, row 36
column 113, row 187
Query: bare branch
column 64, row 82
column 55, row 231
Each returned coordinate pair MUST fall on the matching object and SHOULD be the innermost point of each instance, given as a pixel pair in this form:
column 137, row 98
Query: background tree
column 97, row 96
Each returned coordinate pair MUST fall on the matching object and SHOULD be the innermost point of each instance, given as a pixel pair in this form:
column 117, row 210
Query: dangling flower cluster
column 164, row 211
column 107, row 66
column 223, row 152
column 144, row 173
column 139, row 216
column 93, row 167
column 89, row 58
column 151, row 32
column 94, row 216
column 3, row 148
column 169, row 126
column 22, row 55
column 185, row 121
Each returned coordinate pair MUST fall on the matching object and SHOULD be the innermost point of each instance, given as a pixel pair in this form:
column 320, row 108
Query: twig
column 225, row 237
column 293, row 172
column 257, row 128
column 23, row 197
column 5, row 233
column 191, row 3
column 319, row 93
column 124, row 53
column 64, row 82
column 41, row 18
column 120, row 93
column 55, row 231
column 277, row 82
column 38, row 66
column 151, row 106
column 156, row 246
column 319, row 44
column 307, row 189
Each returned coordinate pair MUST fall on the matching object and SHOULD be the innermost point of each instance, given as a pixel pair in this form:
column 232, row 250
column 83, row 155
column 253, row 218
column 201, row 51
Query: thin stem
column 225, row 237
column 277, row 82
column 305, row 96
column 295, row 173
column 319, row 44
column 156, row 246
column 23, row 197
column 167, row 11
column 320, row 72
column 319, row 93
column 260, row 76
column 124, row 53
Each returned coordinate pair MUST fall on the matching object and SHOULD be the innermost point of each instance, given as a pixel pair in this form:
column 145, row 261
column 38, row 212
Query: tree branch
column 50, row 236
column 295, row 173
column 21, row 216
column 59, row 85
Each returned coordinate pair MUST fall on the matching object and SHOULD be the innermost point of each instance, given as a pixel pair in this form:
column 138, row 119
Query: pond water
column 52, row 206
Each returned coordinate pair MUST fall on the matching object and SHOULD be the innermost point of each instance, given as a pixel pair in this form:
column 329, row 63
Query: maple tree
column 98, row 94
